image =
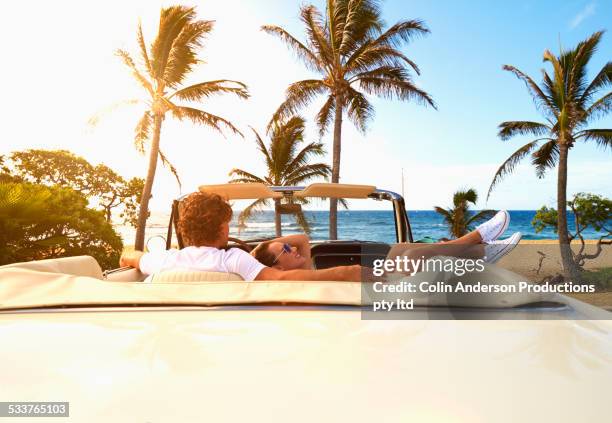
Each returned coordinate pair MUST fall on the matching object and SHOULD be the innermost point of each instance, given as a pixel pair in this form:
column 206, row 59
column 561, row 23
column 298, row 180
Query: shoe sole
column 509, row 247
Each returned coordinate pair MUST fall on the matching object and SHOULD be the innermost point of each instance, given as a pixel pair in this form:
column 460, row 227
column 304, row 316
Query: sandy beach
column 536, row 259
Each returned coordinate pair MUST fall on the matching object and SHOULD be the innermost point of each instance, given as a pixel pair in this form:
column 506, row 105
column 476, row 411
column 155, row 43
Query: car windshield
column 363, row 220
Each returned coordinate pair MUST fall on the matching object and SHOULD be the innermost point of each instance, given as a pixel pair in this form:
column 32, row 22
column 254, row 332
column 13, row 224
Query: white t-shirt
column 208, row 259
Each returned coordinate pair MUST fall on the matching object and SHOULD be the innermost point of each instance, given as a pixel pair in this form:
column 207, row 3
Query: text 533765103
column 34, row 409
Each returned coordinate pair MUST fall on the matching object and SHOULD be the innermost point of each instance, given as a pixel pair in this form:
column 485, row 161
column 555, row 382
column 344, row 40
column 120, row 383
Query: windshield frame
column 403, row 231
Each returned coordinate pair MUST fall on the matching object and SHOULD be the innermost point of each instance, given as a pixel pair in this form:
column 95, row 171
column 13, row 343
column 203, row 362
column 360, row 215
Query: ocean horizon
column 367, row 225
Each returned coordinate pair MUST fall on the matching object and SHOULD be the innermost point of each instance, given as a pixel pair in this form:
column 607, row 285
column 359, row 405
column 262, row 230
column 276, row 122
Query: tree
column 99, row 184
column 39, row 222
column 589, row 210
column 569, row 104
column 353, row 56
column 286, row 164
column 166, row 64
column 459, row 219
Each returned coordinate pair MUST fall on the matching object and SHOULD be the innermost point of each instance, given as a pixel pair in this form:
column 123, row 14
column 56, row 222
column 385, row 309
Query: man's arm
column 340, row 273
column 131, row 259
column 302, row 243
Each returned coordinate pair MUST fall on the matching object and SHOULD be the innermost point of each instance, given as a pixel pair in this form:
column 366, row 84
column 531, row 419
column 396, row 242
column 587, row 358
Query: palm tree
column 569, row 103
column 286, row 166
column 353, row 56
column 459, row 218
column 166, row 64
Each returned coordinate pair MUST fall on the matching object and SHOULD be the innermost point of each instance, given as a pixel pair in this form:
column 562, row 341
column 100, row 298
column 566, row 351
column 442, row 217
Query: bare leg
column 473, row 238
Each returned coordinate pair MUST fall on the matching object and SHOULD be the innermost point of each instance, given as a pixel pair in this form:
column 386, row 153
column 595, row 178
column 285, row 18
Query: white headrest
column 77, row 265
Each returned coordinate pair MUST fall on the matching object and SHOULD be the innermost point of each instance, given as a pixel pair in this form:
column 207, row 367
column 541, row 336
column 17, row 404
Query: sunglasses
column 286, row 249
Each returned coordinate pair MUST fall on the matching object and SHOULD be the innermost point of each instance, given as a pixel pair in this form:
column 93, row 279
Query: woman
column 293, row 251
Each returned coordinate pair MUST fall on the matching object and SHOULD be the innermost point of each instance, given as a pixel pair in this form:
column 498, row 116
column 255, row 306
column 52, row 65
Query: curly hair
column 200, row 218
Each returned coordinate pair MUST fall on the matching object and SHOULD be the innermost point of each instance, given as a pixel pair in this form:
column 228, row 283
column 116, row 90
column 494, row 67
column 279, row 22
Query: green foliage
column 601, row 277
column 459, row 218
column 590, row 211
column 39, row 222
column 286, row 164
column 102, row 186
column 545, row 218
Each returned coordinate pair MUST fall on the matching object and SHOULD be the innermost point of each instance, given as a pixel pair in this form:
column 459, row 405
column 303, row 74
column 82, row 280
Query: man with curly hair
column 204, row 227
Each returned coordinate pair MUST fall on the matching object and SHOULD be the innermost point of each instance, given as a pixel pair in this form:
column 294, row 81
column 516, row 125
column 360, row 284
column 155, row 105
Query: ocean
column 370, row 225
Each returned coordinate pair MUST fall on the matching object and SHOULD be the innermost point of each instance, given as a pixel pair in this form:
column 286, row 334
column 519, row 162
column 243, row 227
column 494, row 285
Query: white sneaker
column 494, row 228
column 497, row 249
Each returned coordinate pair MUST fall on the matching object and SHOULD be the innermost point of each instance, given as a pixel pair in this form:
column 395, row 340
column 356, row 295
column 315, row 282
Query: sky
column 60, row 70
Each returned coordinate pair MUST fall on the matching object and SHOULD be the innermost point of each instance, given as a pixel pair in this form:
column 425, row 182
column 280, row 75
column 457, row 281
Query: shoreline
column 555, row 241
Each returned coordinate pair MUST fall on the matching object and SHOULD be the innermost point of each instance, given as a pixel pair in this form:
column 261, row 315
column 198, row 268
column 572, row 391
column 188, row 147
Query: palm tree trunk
column 333, row 202
column 277, row 218
column 143, row 213
column 569, row 268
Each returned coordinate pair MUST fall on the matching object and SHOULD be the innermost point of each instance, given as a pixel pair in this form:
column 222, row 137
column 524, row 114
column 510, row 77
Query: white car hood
column 303, row 364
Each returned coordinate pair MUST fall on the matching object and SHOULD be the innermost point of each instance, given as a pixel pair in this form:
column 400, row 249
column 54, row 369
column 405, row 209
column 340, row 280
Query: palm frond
column 385, row 71
column 300, row 219
column 205, row 89
column 326, row 115
column 170, row 166
column 305, row 173
column 241, row 176
column 129, row 62
column 446, row 214
column 508, row 130
column 402, row 32
column 263, row 149
column 550, row 88
column 578, row 60
column 359, row 110
column 508, row 166
column 172, row 20
column 599, row 108
column 312, row 149
column 183, row 53
column 201, row 117
column 468, row 196
column 95, row 119
column 250, row 210
column 352, row 23
column 393, row 88
column 368, row 56
column 540, row 99
column 603, row 137
column 601, row 81
column 545, row 157
column 315, row 32
column 308, row 57
column 298, row 95
column 141, row 132
column 143, row 51
column 559, row 80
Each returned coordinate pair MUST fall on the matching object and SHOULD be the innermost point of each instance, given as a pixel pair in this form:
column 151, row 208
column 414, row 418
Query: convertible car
column 193, row 346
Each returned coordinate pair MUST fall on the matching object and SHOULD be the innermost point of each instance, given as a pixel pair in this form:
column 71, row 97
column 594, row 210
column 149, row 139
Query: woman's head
column 278, row 255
